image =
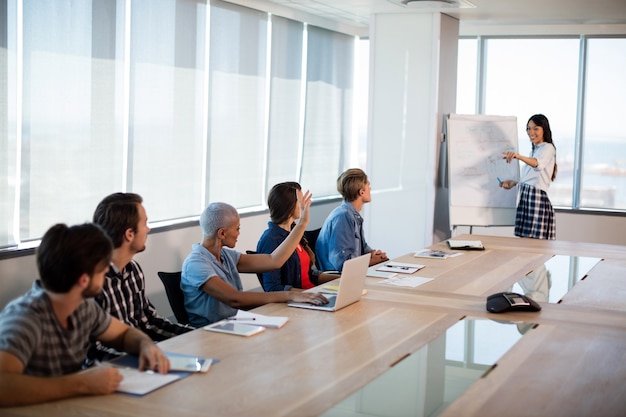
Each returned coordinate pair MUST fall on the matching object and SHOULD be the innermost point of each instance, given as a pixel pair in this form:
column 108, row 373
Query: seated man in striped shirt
column 124, row 219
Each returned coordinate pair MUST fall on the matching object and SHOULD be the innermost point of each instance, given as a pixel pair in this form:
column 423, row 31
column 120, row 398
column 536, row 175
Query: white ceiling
column 356, row 13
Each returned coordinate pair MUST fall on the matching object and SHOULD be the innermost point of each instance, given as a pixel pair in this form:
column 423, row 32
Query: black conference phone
column 510, row 301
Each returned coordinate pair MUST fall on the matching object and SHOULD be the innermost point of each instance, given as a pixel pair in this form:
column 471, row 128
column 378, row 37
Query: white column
column 412, row 86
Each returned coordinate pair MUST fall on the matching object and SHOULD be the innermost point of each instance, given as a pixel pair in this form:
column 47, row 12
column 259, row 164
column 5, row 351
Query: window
column 328, row 119
column 604, row 138
column 286, row 101
column 181, row 101
column 8, row 128
column 69, row 121
column 466, row 76
column 167, row 109
column 530, row 76
column 237, row 111
column 542, row 75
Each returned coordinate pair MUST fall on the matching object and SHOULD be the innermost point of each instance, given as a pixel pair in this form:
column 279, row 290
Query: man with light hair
column 342, row 237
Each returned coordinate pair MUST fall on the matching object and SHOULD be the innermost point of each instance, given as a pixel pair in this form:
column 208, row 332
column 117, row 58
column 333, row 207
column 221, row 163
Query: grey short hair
column 216, row 216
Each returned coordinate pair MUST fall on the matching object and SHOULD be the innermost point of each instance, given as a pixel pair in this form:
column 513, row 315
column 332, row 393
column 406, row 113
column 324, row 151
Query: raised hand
column 304, row 202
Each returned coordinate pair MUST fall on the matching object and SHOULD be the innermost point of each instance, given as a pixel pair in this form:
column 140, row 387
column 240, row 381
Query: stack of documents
column 374, row 273
column 435, row 254
column 406, row 281
column 400, row 267
column 140, row 383
column 466, row 244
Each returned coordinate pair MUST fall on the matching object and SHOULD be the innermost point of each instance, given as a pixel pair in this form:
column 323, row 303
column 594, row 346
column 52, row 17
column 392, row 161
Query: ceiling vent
column 434, row 4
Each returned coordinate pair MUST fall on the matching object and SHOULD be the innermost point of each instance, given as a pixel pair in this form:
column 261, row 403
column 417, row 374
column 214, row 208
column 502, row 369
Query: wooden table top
column 570, row 364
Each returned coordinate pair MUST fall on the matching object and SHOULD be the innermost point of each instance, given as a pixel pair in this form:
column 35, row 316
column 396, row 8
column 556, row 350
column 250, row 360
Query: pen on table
column 397, row 266
column 242, row 318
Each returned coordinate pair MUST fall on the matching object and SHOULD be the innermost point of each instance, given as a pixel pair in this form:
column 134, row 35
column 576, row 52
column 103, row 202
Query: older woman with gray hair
column 210, row 274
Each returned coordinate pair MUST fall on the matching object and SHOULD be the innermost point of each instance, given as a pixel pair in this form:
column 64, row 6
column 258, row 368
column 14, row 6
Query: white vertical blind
column 114, row 98
column 167, row 89
column 328, row 113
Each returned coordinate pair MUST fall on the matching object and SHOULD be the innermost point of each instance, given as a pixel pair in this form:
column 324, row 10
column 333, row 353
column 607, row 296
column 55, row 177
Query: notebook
column 350, row 286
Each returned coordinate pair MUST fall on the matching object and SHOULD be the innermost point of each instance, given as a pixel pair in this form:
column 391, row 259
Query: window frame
column 579, row 136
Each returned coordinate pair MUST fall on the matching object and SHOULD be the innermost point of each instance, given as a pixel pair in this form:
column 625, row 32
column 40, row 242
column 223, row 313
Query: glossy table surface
column 571, row 363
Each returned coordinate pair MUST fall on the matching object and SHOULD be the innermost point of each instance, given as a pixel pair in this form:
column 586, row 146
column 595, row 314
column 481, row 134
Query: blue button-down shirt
column 200, row 266
column 341, row 238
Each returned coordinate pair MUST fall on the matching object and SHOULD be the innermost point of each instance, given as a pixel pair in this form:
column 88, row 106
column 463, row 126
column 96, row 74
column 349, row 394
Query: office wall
column 166, row 250
column 412, row 84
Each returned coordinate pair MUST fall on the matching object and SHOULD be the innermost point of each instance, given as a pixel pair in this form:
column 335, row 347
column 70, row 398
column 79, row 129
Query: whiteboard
column 475, row 146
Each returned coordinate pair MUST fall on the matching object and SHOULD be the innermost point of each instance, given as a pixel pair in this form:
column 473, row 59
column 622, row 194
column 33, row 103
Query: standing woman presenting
column 535, row 215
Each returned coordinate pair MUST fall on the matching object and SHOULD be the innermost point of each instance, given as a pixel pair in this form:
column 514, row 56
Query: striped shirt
column 31, row 331
column 124, row 297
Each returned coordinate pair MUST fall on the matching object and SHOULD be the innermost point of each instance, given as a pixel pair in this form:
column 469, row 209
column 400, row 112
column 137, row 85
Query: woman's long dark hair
column 541, row 120
column 282, row 201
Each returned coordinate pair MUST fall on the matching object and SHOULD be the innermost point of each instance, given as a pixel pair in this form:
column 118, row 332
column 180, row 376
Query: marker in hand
column 499, row 180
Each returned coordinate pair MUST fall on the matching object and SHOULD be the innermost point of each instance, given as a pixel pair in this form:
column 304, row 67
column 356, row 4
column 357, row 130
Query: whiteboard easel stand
column 473, row 159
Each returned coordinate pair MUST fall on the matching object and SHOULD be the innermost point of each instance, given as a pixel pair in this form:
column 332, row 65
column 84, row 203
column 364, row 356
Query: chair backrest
column 258, row 275
column 311, row 238
column 171, row 282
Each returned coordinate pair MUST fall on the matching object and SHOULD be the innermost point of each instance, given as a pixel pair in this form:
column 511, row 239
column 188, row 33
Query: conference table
column 417, row 350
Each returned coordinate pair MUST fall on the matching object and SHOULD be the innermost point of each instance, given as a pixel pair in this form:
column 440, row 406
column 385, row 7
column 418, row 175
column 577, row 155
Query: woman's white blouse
column 540, row 176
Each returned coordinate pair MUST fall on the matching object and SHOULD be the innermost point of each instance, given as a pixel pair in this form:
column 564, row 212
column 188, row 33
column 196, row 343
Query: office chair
column 171, row 282
column 258, row 275
column 311, row 238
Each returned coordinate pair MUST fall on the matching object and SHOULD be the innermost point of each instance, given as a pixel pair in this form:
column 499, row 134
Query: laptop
column 350, row 286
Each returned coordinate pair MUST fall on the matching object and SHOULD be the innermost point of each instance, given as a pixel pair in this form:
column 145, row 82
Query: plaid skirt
column 535, row 215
